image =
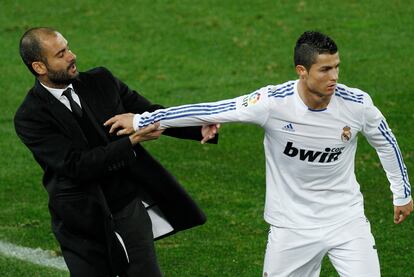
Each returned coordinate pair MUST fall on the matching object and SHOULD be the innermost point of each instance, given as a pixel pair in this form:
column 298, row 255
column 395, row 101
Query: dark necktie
column 76, row 109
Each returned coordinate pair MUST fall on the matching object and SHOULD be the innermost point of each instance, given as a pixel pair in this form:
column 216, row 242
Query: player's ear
column 301, row 71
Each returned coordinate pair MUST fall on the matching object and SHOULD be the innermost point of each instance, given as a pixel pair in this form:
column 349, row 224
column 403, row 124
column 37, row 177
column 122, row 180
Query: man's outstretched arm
column 122, row 124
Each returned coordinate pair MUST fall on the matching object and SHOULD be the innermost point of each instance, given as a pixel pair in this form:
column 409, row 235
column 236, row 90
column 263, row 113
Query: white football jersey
column 310, row 179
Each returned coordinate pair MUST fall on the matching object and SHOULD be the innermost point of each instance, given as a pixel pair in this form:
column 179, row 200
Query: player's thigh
column 356, row 255
column 292, row 253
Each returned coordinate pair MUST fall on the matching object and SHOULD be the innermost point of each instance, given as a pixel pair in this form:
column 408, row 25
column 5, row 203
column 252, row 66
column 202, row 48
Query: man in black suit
column 97, row 182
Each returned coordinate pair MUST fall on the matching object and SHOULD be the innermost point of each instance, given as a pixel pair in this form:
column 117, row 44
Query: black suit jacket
column 81, row 219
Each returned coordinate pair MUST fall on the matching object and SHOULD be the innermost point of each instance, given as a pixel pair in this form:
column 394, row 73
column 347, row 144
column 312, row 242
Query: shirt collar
column 57, row 92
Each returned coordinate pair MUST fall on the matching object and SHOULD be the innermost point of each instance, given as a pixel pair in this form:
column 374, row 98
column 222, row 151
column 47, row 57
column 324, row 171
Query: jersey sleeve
column 250, row 108
column 380, row 136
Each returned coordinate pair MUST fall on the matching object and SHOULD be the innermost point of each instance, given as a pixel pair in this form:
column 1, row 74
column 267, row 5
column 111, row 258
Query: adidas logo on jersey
column 288, row 127
column 328, row 156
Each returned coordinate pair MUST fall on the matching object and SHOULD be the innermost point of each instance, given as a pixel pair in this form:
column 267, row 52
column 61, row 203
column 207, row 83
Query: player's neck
column 313, row 99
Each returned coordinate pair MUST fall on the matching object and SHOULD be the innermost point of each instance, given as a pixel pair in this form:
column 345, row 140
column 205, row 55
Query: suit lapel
column 64, row 116
column 59, row 112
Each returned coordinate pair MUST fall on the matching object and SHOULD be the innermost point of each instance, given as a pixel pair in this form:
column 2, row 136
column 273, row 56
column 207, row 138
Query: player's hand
column 209, row 132
column 121, row 123
column 402, row 212
column 150, row 132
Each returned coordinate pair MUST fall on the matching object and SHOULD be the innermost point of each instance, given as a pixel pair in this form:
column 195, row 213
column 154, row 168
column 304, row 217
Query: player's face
column 60, row 61
column 323, row 75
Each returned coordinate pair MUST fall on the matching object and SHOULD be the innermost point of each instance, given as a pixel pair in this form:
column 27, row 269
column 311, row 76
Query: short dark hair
column 311, row 44
column 30, row 47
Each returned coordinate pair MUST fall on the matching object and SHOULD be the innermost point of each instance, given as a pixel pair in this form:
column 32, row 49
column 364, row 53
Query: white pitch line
column 35, row 256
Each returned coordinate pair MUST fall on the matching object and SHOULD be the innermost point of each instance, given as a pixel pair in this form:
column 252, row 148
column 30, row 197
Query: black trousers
column 133, row 224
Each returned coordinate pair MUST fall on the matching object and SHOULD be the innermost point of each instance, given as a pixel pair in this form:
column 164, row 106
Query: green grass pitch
column 177, row 52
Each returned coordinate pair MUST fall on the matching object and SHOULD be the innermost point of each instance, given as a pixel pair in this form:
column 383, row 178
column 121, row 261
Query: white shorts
column 299, row 252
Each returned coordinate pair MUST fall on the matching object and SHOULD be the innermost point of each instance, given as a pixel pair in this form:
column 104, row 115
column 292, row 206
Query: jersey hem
column 276, row 223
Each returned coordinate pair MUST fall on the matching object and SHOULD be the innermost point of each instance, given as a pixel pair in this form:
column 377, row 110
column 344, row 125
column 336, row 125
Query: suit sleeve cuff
column 121, row 154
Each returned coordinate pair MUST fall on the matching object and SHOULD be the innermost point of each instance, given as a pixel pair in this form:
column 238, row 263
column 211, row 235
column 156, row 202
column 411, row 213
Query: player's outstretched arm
column 122, row 124
column 251, row 108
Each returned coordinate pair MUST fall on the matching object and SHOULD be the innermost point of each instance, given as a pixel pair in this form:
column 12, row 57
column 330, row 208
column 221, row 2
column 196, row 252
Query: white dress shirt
column 58, row 94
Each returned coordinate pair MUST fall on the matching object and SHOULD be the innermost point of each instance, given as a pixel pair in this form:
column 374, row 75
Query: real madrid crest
column 346, row 134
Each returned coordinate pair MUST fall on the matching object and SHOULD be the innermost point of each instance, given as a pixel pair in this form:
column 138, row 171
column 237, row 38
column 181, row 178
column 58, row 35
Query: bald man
column 96, row 182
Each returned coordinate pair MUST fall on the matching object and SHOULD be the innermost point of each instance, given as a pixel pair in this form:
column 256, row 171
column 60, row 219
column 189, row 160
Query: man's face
column 323, row 75
column 60, row 62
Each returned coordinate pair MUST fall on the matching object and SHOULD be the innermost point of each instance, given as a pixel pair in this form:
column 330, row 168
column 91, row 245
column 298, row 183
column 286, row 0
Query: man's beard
column 61, row 77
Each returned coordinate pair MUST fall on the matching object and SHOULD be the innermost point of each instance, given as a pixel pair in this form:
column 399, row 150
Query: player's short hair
column 311, row 44
column 30, row 47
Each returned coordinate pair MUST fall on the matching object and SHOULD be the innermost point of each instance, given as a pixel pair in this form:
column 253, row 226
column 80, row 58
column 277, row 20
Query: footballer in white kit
column 313, row 201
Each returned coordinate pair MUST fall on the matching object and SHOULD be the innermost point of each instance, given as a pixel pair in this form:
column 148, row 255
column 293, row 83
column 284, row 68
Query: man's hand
column 209, row 131
column 402, row 212
column 123, row 123
column 148, row 133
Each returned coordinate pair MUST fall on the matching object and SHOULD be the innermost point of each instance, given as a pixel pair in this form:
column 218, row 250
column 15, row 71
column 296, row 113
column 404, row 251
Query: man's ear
column 39, row 67
column 301, row 71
